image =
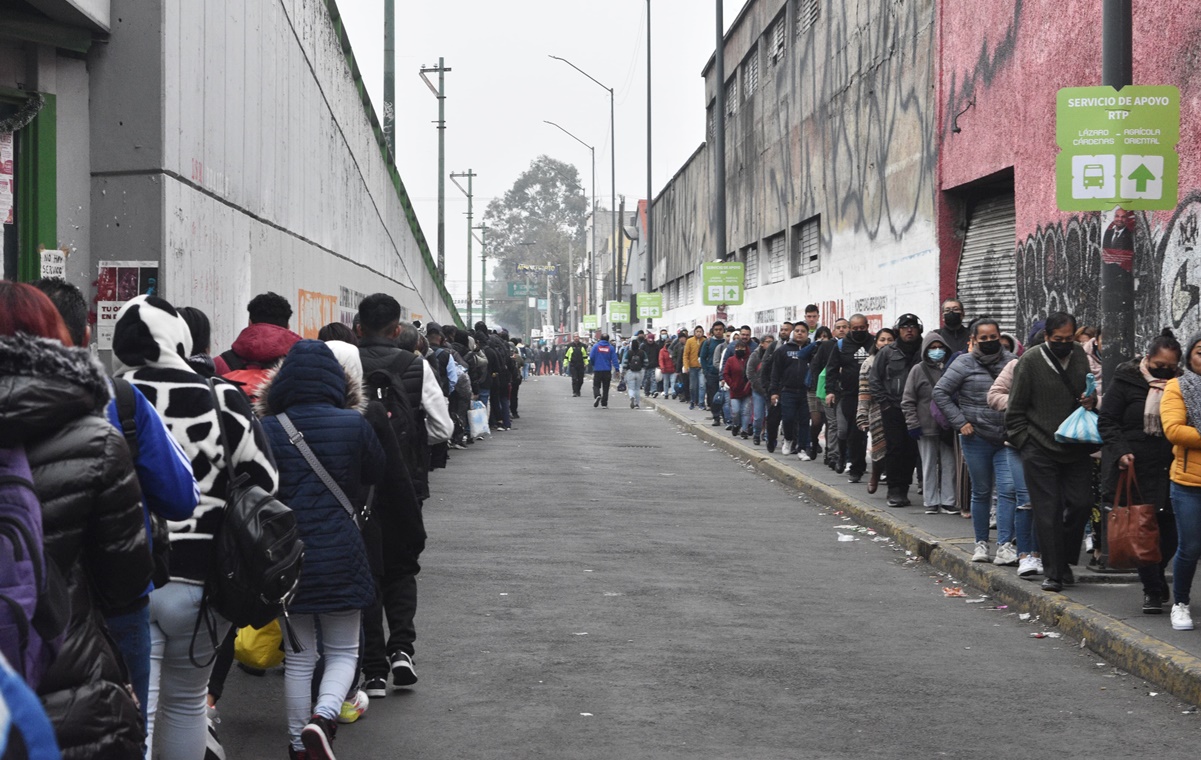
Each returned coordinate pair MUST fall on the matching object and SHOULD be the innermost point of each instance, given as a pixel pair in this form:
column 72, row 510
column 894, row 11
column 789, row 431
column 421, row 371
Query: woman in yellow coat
column 1180, row 411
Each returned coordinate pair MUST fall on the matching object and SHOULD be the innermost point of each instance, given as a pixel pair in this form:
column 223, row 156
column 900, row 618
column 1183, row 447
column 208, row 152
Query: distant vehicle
column 1094, row 175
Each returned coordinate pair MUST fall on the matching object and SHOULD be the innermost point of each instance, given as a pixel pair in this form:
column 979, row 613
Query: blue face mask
column 936, row 354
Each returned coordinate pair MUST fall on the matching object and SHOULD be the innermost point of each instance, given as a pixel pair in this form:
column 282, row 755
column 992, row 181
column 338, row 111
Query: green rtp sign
column 722, row 283
column 1117, row 148
column 650, row 305
column 591, row 322
column 619, row 311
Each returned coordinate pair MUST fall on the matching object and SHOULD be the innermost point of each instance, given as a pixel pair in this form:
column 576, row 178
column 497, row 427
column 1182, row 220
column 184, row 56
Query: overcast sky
column 503, row 86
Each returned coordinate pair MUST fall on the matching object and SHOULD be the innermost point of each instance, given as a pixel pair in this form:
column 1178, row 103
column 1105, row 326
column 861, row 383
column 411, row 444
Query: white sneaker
column 1038, row 561
column 981, row 553
column 1007, row 554
column 1028, row 566
column 1182, row 619
column 804, row 456
column 786, row 448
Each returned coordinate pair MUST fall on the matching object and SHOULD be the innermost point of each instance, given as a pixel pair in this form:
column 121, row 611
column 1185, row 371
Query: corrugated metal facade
column 987, row 279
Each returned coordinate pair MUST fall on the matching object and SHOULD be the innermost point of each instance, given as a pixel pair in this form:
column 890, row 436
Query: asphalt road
column 598, row 584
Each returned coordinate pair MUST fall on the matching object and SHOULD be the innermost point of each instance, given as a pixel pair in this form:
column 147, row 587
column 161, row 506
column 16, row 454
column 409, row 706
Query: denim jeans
column 669, row 383
column 1186, row 501
column 984, row 462
column 1011, row 478
column 696, row 391
column 794, row 418
column 131, row 631
column 759, row 411
column 176, row 725
column 634, row 384
column 742, row 413
column 340, row 655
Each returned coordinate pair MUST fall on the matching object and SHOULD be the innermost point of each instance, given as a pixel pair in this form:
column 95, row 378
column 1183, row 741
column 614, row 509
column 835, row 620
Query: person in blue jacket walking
column 336, row 584
column 603, row 358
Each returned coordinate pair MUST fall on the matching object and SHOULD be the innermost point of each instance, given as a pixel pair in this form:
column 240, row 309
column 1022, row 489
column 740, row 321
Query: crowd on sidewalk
column 969, row 414
column 116, row 496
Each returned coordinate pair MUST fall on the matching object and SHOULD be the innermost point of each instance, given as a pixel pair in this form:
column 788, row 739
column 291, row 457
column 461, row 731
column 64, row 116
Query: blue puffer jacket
column 311, row 387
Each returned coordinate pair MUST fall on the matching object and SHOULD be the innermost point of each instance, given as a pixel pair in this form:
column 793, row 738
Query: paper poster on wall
column 7, row 165
column 314, row 311
column 116, row 283
column 54, row 264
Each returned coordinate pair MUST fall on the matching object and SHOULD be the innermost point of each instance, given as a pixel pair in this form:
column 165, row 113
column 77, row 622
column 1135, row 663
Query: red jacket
column 734, row 373
column 666, row 365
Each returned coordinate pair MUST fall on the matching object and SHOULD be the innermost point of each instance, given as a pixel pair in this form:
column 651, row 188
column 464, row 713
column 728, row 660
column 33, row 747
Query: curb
column 1139, row 654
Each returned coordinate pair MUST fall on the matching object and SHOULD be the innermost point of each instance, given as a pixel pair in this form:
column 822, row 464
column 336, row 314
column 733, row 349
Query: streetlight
column 592, row 265
column 483, row 228
column 612, row 174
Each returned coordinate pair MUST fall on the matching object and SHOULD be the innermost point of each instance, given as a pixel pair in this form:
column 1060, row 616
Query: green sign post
column 619, row 311
column 722, row 283
column 650, row 305
column 591, row 322
column 519, row 289
column 1117, row 148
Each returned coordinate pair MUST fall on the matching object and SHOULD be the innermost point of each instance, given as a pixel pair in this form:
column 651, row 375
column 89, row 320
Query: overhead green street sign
column 1117, row 148
column 591, row 321
column 619, row 311
column 650, row 305
column 722, row 283
column 519, row 289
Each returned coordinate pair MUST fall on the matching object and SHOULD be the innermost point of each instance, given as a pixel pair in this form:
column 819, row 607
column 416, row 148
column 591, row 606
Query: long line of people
column 971, row 414
column 120, row 484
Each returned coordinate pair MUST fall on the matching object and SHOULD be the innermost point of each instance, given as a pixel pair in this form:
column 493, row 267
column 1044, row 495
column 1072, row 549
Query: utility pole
column 470, row 175
column 440, row 94
column 483, row 228
column 1117, row 272
column 390, row 76
column 719, row 137
column 650, row 247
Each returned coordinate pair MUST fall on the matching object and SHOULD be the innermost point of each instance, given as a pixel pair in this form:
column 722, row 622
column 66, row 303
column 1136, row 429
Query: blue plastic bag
column 1081, row 425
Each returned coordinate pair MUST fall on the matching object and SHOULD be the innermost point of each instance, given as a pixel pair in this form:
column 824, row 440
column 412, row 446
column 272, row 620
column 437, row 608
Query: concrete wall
column 842, row 127
column 1011, row 58
column 245, row 160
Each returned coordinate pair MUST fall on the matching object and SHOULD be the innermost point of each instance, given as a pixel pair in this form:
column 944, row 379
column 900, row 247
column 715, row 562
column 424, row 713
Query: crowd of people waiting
column 969, row 413
column 119, row 483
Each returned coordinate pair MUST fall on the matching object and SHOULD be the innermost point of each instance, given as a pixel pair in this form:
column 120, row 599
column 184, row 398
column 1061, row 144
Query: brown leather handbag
column 1132, row 530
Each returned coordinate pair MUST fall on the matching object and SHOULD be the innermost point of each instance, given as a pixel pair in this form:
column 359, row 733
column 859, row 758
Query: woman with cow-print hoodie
column 151, row 343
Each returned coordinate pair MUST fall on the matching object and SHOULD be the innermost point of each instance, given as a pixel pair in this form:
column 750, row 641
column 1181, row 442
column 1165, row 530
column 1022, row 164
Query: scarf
column 1190, row 389
column 1152, row 424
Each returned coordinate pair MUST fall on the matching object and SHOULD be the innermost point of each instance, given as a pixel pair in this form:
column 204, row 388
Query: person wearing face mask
column 1180, row 413
column 733, row 373
column 962, row 396
column 754, row 373
column 773, row 415
column 842, row 393
column 1048, row 386
column 954, row 332
column 789, row 368
column 933, row 441
column 867, row 411
column 889, row 373
column 1132, row 431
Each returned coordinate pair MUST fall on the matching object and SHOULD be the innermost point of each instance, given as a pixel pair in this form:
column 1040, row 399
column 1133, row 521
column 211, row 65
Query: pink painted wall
column 1010, row 57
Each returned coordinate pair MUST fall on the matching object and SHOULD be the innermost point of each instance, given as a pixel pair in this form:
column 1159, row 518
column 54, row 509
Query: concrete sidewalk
column 1103, row 611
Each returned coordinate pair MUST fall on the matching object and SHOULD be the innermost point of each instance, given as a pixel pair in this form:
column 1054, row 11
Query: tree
column 540, row 220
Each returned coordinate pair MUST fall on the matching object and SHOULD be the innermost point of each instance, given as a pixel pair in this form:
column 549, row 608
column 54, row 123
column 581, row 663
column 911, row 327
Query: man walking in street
column 635, row 368
column 576, row 358
column 603, row 358
column 888, row 376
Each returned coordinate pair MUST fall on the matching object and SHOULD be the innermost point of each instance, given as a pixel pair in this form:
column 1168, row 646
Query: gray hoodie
column 919, row 388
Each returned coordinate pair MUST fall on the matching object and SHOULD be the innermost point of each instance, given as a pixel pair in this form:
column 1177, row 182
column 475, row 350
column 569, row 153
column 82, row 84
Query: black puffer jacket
column 1121, row 425
column 52, row 400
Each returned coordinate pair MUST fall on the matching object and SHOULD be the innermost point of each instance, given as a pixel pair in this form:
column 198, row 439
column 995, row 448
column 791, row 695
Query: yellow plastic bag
column 259, row 647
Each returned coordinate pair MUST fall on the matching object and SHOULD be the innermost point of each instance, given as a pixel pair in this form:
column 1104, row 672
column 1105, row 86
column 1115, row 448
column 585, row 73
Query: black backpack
column 635, row 359
column 257, row 551
column 387, row 387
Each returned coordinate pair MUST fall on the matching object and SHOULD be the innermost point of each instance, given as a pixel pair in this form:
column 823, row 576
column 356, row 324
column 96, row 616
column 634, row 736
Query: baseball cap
column 907, row 320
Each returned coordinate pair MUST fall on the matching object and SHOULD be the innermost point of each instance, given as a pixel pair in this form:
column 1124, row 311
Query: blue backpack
column 34, row 606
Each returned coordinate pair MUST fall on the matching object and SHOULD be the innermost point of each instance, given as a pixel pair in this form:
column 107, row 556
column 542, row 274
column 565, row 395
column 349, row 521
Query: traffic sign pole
column 1117, row 272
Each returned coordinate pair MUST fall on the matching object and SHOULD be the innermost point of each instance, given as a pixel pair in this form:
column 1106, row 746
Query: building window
column 689, row 289
column 711, row 130
column 807, row 14
column 750, row 73
column 777, row 251
column 732, row 96
column 750, row 257
column 775, row 40
column 806, row 247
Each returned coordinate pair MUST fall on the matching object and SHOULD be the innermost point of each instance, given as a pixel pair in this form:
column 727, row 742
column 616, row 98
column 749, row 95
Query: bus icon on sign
column 1094, row 175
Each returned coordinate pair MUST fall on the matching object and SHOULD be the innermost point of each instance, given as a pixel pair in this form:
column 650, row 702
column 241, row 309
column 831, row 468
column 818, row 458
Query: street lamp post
column 483, row 228
column 571, row 281
column 612, row 174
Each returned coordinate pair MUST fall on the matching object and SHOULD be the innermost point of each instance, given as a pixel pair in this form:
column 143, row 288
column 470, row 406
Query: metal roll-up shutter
column 987, row 279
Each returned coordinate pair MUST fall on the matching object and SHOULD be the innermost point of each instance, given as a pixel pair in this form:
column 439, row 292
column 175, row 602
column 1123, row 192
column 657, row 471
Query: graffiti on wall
column 314, row 311
column 1059, row 267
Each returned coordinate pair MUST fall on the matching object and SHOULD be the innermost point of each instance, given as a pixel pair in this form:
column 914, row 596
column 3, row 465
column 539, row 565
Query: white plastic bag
column 478, row 417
